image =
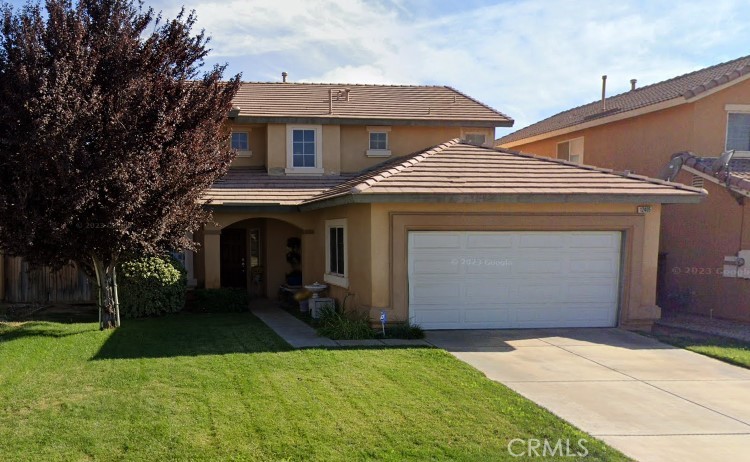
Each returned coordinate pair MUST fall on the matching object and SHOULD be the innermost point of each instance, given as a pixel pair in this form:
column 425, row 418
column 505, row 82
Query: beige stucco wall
column 257, row 140
column 695, row 238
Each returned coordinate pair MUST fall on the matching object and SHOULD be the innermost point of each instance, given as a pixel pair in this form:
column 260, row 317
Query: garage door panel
column 486, row 292
column 513, row 279
column 435, row 265
column 525, row 265
column 600, row 265
column 480, row 318
column 488, row 241
column 540, row 240
column 442, row 240
column 593, row 240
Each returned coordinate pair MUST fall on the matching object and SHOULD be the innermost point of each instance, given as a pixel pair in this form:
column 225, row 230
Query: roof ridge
column 371, row 179
column 396, row 85
column 480, row 103
column 606, row 171
column 573, row 119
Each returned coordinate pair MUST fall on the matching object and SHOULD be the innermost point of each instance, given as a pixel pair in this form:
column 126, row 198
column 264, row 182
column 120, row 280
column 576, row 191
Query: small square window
column 476, row 138
column 240, row 141
column 379, row 141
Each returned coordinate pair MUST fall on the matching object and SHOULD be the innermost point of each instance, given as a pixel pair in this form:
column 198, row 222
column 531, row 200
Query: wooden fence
column 24, row 284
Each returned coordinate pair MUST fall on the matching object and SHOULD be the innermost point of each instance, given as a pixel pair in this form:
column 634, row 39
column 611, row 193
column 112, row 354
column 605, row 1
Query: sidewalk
column 705, row 325
column 300, row 335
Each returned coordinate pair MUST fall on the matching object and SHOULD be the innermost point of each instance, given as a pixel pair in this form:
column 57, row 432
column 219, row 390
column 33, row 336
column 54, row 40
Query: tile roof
column 455, row 171
column 393, row 102
column 253, row 186
column 459, row 169
column 685, row 86
column 736, row 177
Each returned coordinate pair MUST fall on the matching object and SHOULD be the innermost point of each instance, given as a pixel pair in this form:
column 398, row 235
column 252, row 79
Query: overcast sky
column 529, row 58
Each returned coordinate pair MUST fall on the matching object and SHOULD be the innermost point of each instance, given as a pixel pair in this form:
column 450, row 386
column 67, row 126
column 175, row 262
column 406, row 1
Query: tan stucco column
column 647, row 310
column 212, row 257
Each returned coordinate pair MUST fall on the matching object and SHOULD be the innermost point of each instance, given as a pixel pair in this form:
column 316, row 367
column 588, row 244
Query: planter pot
column 304, row 306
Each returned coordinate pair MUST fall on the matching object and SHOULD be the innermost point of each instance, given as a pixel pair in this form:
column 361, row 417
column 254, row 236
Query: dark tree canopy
column 109, row 131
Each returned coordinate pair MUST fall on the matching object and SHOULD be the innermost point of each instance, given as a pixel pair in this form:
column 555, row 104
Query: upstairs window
column 571, row 150
column 241, row 141
column 304, row 149
column 378, row 141
column 738, row 131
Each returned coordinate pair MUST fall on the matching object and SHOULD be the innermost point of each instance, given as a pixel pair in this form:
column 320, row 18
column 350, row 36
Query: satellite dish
column 669, row 173
column 722, row 162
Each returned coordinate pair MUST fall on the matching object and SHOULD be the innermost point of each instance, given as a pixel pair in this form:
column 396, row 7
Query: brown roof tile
column 455, row 168
column 685, row 86
column 393, row 102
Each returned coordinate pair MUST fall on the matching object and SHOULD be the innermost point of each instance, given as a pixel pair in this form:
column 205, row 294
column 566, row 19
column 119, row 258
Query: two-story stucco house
column 401, row 205
column 693, row 117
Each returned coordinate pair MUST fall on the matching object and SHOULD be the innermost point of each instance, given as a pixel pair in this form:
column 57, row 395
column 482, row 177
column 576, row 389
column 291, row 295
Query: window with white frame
column 336, row 253
column 304, row 149
column 378, row 141
column 241, row 143
column 738, row 131
column 571, row 150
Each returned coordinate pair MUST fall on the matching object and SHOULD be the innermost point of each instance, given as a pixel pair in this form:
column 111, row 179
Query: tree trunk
column 106, row 282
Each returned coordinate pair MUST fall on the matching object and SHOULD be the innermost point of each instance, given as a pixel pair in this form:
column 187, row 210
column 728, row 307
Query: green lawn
column 225, row 387
column 727, row 350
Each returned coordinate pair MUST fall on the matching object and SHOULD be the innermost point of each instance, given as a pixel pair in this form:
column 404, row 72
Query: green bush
column 403, row 330
column 338, row 325
column 151, row 286
column 218, row 300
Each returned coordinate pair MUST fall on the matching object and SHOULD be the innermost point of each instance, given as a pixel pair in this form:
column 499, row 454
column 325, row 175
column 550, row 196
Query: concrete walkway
column 300, row 335
column 705, row 325
column 653, row 402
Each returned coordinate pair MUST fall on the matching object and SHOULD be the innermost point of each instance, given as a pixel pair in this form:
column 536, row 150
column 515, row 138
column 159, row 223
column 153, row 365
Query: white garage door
column 475, row 280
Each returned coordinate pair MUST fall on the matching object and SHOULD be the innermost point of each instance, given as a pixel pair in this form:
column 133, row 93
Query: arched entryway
column 255, row 254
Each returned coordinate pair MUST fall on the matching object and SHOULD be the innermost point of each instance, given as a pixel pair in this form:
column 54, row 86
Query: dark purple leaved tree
column 109, row 132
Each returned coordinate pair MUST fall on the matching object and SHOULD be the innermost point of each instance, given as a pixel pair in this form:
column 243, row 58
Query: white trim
column 378, row 153
column 570, row 154
column 341, row 280
column 290, row 168
column 737, row 107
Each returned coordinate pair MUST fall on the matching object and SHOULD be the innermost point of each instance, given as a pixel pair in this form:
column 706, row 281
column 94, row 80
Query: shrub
column 151, row 286
column 218, row 300
column 405, row 330
column 338, row 325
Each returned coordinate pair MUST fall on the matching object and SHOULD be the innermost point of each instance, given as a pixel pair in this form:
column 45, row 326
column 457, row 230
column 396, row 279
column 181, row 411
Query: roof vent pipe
column 604, row 93
column 632, row 84
column 330, row 101
column 283, row 76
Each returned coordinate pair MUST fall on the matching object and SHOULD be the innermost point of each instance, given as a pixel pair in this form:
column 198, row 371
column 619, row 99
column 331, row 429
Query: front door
column 234, row 258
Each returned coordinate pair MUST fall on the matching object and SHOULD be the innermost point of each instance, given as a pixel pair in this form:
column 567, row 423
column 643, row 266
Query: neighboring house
column 397, row 214
column 700, row 115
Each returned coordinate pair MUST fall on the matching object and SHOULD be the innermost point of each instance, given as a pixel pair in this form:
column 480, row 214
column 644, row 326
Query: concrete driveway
column 651, row 401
